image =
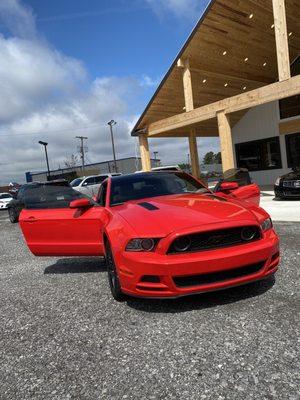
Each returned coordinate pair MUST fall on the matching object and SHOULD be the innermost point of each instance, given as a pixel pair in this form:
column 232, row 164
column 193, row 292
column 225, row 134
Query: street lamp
column 45, row 144
column 111, row 124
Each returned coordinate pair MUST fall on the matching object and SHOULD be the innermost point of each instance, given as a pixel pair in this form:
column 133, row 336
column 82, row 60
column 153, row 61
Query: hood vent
column 148, row 206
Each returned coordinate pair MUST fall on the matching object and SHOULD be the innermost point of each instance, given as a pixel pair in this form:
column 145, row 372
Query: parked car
column 25, row 192
column 90, row 185
column 163, row 234
column 237, row 182
column 163, row 168
column 288, row 186
column 5, row 199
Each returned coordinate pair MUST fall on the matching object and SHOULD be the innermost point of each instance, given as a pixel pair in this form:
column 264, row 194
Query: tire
column 113, row 279
column 13, row 217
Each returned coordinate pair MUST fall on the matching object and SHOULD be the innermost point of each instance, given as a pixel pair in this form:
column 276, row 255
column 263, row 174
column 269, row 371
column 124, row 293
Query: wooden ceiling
column 232, row 50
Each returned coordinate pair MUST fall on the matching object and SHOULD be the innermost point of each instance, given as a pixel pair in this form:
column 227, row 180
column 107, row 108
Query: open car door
column 58, row 221
column 237, row 184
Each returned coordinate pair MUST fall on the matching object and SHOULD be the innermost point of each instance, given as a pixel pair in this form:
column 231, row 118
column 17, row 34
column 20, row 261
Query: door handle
column 30, row 219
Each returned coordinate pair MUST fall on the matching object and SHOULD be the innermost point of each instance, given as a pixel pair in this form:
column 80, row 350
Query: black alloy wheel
column 13, row 217
column 113, row 279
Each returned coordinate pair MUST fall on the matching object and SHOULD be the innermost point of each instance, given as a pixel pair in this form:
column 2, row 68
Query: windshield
column 140, row 186
column 5, row 196
column 76, row 182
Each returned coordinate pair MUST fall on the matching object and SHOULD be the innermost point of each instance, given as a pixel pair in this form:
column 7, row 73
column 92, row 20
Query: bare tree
column 71, row 161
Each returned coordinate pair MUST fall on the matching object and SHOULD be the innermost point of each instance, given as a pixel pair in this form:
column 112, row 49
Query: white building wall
column 259, row 123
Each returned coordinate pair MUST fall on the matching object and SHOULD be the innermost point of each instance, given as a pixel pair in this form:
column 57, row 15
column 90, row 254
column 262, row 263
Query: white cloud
column 18, row 18
column 147, row 81
column 184, row 9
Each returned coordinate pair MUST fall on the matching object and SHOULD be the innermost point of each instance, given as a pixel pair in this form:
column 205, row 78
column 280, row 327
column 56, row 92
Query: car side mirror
column 227, row 186
column 80, row 203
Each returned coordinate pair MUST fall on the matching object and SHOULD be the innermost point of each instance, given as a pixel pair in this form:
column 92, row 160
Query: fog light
column 248, row 233
column 182, row 243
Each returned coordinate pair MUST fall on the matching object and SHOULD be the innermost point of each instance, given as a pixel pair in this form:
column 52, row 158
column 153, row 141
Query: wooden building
column 236, row 77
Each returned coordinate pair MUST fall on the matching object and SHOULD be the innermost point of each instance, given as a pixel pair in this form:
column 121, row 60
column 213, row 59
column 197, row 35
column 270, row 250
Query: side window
column 89, row 181
column 100, row 179
column 20, row 194
column 102, row 194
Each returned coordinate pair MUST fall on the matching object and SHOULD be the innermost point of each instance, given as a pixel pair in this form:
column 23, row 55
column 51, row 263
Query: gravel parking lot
column 63, row 337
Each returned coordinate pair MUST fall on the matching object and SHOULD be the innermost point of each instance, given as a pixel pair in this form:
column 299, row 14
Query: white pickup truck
column 89, row 185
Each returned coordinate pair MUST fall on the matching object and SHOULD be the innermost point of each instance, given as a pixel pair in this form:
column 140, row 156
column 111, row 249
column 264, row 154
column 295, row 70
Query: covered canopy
column 232, row 50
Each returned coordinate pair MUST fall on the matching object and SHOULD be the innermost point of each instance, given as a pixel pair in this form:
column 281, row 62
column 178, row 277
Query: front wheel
column 113, row 279
column 13, row 217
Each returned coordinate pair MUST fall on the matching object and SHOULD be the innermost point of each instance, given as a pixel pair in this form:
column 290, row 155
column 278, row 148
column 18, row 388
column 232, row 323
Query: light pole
column 45, row 144
column 111, row 124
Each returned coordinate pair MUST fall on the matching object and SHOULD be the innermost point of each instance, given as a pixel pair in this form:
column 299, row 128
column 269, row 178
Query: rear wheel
column 13, row 217
column 113, row 279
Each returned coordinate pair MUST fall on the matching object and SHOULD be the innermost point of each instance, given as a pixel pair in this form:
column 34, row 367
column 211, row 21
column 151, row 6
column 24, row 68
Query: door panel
column 250, row 193
column 64, row 231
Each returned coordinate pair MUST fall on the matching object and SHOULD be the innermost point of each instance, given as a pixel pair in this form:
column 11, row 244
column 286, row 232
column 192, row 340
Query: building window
column 293, row 150
column 290, row 107
column 259, row 155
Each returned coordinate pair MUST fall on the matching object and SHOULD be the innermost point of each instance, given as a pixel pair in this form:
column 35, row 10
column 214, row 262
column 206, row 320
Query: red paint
column 80, row 231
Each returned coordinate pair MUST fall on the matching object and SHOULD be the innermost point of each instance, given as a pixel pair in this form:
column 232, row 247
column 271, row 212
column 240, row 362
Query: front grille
column 220, row 276
column 215, row 239
column 291, row 184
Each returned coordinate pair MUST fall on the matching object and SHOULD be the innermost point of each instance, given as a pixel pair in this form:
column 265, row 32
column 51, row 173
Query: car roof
column 38, row 183
column 141, row 174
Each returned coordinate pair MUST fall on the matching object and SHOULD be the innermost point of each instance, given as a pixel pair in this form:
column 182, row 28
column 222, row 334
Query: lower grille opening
column 150, row 278
column 220, row 276
column 275, row 256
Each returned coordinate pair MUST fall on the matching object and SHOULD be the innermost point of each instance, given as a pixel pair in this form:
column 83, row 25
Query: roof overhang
column 231, row 51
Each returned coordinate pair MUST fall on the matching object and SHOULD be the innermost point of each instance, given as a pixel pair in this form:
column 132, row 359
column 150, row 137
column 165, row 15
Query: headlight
column 277, row 182
column 146, row 244
column 266, row 225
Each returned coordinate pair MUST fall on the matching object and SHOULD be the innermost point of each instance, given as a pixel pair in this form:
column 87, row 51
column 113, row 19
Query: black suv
column 288, row 186
column 16, row 205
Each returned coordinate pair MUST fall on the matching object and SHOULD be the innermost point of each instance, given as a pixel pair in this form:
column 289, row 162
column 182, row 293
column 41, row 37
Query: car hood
column 291, row 176
column 165, row 214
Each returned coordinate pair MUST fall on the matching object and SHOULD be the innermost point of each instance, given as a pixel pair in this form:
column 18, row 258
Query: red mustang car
column 164, row 234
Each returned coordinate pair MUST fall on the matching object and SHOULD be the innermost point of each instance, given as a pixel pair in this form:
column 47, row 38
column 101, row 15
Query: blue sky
column 69, row 66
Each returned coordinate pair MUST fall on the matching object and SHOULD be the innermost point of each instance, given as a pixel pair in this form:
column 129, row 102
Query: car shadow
column 76, row 265
column 202, row 301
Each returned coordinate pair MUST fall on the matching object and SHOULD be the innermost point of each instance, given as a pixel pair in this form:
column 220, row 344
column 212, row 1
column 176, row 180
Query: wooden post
column 194, row 154
column 282, row 43
column 189, row 106
column 145, row 155
column 225, row 141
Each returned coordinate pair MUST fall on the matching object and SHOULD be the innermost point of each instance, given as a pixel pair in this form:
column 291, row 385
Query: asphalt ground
column 63, row 337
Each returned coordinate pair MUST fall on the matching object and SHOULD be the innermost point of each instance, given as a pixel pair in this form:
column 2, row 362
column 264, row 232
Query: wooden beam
column 225, row 141
column 282, row 43
column 291, row 126
column 265, row 94
column 145, row 154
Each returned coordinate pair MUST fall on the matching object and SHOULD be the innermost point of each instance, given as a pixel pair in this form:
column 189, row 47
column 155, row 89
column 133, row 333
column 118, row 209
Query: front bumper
column 3, row 206
column 287, row 192
column 167, row 276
